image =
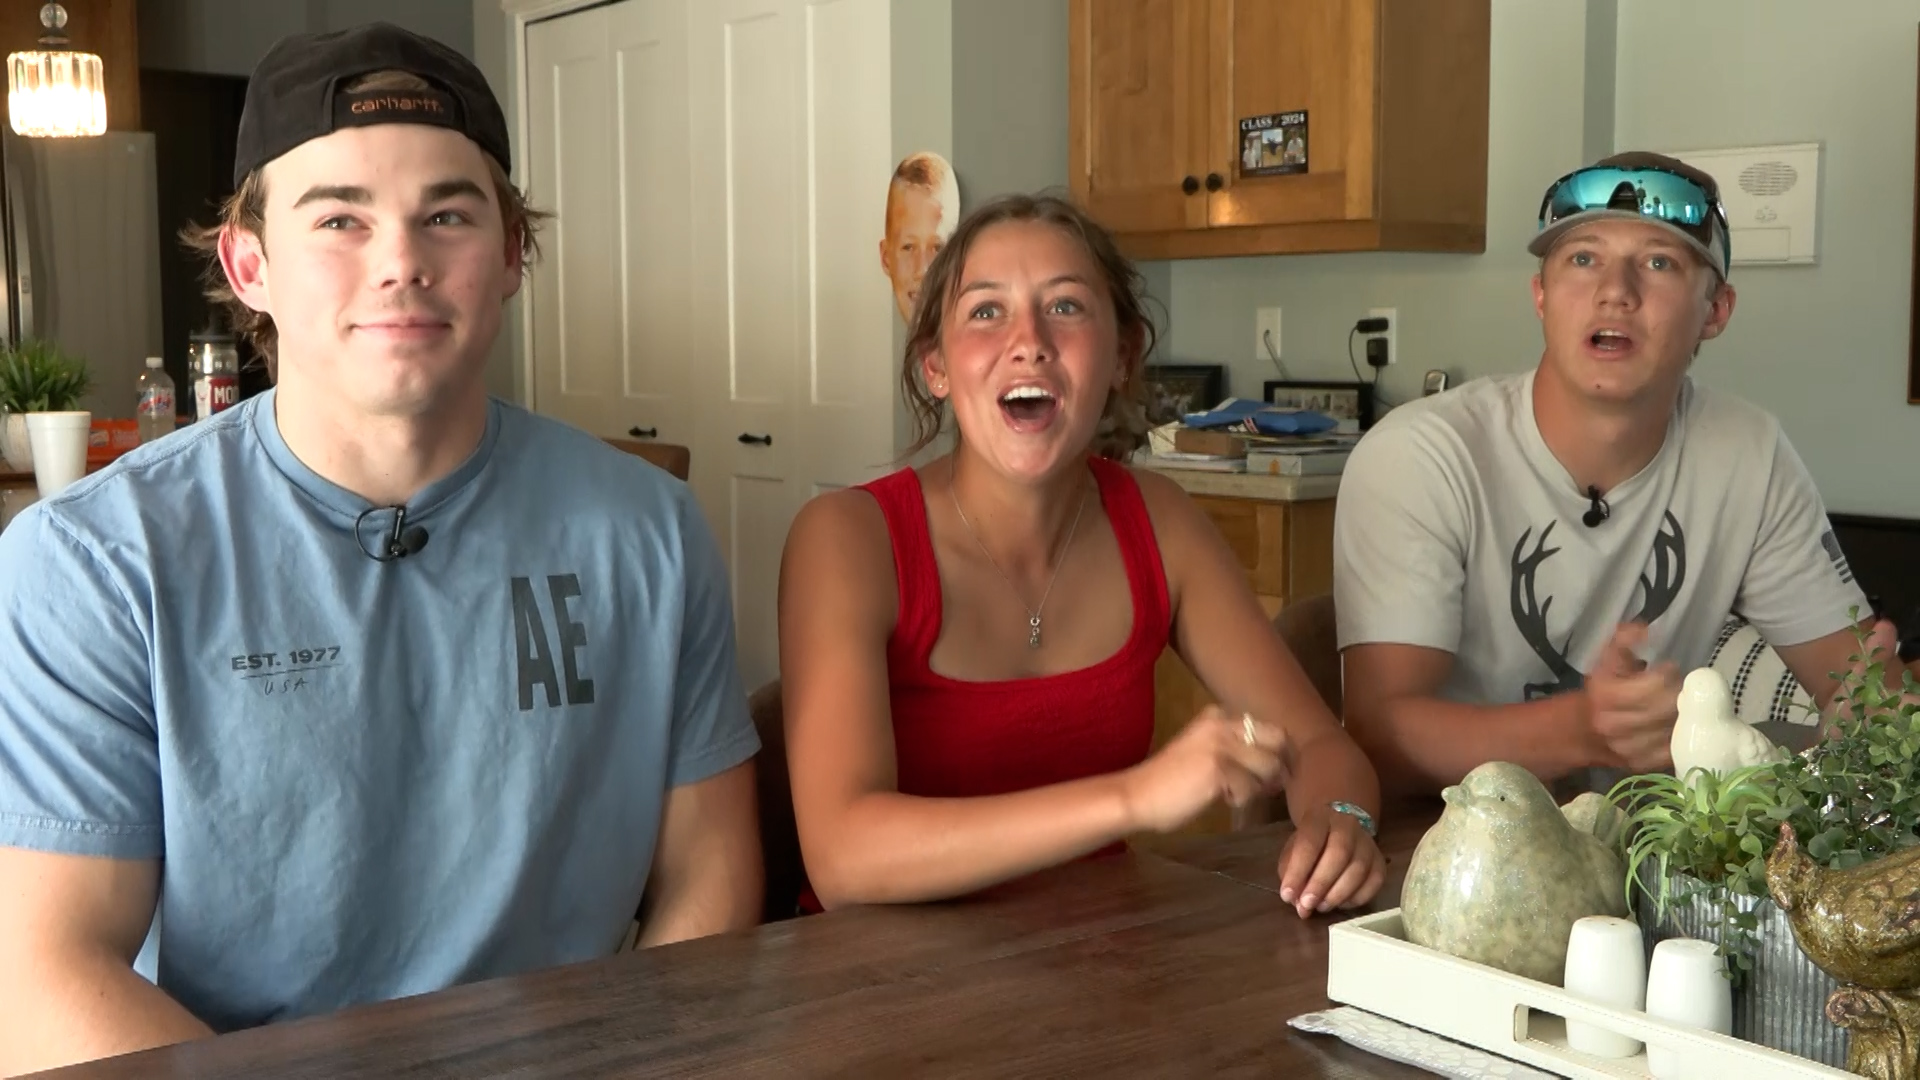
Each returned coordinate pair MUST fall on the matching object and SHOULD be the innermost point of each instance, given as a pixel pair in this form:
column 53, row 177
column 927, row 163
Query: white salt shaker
column 1607, row 965
column 1686, row 984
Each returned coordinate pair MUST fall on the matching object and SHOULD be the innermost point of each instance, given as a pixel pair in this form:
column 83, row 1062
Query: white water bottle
column 155, row 411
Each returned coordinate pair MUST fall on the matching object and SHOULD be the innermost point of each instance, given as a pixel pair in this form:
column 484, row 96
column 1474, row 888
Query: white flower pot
column 59, row 448
column 15, row 446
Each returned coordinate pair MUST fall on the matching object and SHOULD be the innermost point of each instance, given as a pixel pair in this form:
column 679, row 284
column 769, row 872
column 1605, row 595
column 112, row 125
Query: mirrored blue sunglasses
column 1654, row 193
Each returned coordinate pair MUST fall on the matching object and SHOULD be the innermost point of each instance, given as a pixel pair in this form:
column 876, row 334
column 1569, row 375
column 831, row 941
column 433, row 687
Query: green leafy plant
column 38, row 376
column 1853, row 797
column 1856, row 794
column 1704, row 835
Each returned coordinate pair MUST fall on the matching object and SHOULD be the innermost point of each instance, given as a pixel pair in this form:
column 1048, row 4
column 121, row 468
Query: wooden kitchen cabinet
column 1286, row 550
column 1395, row 93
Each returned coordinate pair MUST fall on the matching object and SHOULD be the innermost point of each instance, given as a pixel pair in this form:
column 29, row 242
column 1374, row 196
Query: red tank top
column 957, row 738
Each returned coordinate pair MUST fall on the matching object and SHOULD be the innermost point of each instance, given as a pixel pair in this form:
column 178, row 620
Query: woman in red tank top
column 967, row 649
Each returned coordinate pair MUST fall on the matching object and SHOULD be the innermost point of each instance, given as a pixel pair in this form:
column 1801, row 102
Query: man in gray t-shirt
column 403, row 687
column 1527, row 567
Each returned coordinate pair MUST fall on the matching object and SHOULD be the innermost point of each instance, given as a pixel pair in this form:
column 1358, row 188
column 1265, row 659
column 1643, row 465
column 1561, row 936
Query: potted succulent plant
column 1697, row 850
column 37, row 377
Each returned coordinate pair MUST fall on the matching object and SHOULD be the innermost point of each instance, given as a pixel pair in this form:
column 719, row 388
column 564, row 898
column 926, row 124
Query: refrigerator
column 80, row 235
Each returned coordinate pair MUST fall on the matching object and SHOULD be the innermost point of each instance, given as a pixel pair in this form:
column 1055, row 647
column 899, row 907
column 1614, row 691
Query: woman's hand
column 1217, row 756
column 1330, row 862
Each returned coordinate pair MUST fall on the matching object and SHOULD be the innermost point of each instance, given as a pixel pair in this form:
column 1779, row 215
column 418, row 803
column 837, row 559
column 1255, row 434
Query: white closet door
column 751, row 295
column 574, row 313
column 850, row 374
column 648, row 39
column 719, row 171
column 607, row 98
column 791, row 155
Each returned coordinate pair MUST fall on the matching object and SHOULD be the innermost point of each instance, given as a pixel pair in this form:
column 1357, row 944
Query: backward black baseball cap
column 296, row 93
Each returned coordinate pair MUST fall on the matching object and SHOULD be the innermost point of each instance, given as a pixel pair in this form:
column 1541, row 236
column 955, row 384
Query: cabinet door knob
column 1189, row 185
column 763, row 440
column 1214, row 183
column 643, row 433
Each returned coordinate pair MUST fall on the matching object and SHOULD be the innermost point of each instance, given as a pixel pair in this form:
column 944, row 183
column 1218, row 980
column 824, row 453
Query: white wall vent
column 1772, row 195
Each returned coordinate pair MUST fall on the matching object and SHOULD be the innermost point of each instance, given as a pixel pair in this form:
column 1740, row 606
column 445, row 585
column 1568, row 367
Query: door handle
column 763, row 440
column 1214, row 183
column 1189, row 185
column 639, row 432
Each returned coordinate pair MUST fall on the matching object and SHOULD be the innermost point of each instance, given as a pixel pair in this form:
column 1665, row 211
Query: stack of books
column 1324, row 454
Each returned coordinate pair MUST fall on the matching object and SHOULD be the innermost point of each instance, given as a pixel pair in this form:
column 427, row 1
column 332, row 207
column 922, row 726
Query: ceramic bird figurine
column 1504, row 874
column 1882, row 1026
column 1706, row 734
column 1861, row 925
column 1590, row 812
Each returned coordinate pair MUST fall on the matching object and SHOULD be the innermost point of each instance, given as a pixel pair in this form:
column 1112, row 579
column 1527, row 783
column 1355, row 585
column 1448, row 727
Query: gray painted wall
column 1603, row 45
column 1009, row 96
column 1822, row 347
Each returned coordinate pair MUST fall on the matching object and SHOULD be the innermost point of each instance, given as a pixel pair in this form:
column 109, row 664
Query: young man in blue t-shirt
column 403, row 686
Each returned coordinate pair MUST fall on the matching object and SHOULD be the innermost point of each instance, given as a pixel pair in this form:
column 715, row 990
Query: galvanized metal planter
column 1782, row 1003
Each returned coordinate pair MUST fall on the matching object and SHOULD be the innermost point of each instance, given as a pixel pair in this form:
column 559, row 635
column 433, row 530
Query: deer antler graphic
column 1669, row 571
column 1530, row 616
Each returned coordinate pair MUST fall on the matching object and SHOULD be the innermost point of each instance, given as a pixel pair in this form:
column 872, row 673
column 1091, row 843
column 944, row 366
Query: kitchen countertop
column 15, row 499
column 1250, row 486
column 14, row 478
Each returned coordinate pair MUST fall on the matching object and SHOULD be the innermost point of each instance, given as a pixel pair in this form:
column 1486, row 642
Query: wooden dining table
column 1176, row 958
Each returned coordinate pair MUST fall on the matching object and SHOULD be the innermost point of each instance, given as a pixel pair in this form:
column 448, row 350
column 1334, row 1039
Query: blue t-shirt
column 366, row 779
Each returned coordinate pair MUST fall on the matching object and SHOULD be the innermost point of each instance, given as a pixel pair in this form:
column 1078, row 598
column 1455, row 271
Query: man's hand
column 1631, row 707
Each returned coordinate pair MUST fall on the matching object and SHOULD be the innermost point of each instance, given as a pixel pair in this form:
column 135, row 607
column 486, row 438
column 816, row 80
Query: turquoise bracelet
column 1365, row 819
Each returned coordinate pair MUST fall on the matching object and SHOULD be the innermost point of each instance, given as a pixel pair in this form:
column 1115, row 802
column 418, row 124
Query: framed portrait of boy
column 1174, row 390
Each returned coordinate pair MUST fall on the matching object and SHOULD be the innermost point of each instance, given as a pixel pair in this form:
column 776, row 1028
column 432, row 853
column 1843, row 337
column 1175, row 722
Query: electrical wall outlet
column 1266, row 325
column 1392, row 333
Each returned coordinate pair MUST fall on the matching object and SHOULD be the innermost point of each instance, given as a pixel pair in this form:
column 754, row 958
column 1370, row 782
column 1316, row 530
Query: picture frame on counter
column 1351, row 403
column 1174, row 390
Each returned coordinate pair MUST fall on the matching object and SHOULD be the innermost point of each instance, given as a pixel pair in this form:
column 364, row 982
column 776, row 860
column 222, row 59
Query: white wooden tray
column 1372, row 965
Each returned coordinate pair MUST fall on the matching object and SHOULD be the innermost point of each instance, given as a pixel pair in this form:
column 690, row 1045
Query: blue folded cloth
column 1238, row 415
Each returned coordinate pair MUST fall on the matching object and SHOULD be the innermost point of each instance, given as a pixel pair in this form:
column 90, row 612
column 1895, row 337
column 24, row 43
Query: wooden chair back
column 786, row 871
column 674, row 458
column 1309, row 629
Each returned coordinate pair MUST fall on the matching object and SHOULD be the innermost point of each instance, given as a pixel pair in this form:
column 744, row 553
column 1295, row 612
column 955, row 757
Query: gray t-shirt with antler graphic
column 1458, row 529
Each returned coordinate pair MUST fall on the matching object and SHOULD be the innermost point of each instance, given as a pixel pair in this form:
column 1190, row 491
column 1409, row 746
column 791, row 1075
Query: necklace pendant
column 1033, row 631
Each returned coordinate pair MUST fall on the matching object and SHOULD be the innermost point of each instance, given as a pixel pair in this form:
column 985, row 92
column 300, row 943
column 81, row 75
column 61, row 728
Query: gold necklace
column 1033, row 614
